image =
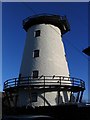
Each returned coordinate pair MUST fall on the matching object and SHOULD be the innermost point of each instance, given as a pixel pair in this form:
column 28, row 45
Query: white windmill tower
column 44, row 55
column 44, row 75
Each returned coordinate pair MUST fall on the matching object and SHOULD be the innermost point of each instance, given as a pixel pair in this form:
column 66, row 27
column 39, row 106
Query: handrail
column 44, row 81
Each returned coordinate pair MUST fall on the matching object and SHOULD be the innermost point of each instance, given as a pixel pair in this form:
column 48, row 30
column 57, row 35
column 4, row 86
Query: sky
column 14, row 36
column 45, row 0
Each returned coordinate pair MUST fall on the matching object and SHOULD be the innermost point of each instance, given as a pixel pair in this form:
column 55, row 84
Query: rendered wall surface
column 51, row 60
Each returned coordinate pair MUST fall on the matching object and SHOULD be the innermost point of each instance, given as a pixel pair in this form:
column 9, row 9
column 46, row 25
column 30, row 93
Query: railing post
column 29, row 78
column 60, row 80
column 80, row 83
column 15, row 82
column 44, row 90
column 19, row 78
column 7, row 84
column 73, row 81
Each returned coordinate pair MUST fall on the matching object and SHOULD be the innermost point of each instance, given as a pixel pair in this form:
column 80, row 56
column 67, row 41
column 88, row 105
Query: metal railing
column 44, row 81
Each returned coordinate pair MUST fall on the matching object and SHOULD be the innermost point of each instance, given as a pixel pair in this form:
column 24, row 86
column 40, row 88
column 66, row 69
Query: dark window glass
column 35, row 74
column 34, row 97
column 37, row 33
column 36, row 53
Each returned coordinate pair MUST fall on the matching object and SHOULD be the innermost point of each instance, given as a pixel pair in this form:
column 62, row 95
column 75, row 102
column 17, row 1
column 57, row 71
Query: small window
column 37, row 33
column 34, row 97
column 36, row 53
column 35, row 74
column 65, row 57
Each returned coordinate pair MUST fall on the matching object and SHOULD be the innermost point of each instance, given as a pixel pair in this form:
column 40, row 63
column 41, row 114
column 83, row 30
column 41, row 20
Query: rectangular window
column 34, row 97
column 35, row 74
column 65, row 57
column 37, row 33
column 36, row 53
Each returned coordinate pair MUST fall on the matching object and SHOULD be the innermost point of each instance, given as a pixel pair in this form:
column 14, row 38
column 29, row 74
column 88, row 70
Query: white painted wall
column 51, row 60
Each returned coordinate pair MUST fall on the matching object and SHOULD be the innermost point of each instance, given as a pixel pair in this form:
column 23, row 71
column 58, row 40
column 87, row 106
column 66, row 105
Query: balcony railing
column 44, row 81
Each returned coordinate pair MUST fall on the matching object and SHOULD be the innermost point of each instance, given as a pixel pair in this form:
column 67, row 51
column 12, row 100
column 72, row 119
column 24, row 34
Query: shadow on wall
column 59, row 99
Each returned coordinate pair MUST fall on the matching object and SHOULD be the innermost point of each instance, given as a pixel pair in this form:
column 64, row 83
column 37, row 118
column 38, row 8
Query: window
column 36, row 53
column 35, row 74
column 37, row 33
column 34, row 97
column 65, row 57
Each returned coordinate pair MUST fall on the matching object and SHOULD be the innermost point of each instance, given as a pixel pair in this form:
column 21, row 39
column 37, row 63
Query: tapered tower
column 44, row 53
column 44, row 74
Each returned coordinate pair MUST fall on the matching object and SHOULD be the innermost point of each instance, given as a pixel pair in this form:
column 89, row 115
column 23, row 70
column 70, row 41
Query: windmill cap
column 59, row 21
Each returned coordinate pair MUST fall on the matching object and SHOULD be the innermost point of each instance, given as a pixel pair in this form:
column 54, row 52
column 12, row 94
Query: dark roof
column 59, row 21
column 87, row 51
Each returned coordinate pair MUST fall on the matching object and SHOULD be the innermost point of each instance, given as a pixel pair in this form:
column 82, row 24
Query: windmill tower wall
column 51, row 58
column 44, row 55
